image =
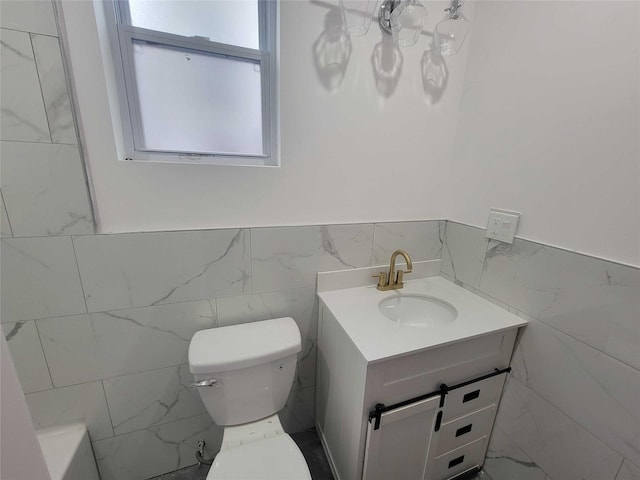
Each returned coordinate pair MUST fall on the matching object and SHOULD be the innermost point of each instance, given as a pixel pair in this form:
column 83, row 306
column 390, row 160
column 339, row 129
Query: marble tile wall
column 99, row 325
column 570, row 408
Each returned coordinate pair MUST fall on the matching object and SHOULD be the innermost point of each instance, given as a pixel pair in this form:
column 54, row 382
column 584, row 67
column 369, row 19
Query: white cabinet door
column 399, row 448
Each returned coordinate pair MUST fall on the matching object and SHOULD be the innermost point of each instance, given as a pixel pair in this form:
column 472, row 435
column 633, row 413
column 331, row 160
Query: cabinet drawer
column 459, row 460
column 465, row 429
column 408, row 376
column 472, row 397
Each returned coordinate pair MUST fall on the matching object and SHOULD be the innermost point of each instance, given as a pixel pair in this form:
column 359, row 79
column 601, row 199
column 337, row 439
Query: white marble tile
column 29, row 16
column 54, row 89
column 628, row 471
column 157, row 450
column 84, row 402
column 300, row 304
column 26, row 351
column 39, row 278
column 298, row 414
column 5, row 226
column 360, row 277
column 463, row 253
column 489, row 298
column 82, row 348
column 44, row 189
column 141, row 269
column 423, row 240
column 581, row 381
column 592, row 300
column 145, row 399
column 557, row 444
column 505, row 461
column 22, row 113
column 290, row 257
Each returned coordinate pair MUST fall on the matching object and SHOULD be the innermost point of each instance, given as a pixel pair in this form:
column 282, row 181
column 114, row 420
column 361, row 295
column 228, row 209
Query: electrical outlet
column 502, row 225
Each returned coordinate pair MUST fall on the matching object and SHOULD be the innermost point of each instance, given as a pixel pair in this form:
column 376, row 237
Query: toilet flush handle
column 211, row 382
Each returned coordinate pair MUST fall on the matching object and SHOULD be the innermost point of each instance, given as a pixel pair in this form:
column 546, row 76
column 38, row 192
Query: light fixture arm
column 454, row 9
column 384, row 14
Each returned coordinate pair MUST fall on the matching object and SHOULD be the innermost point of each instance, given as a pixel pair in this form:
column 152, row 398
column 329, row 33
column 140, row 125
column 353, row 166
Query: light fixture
column 402, row 24
column 404, row 20
column 452, row 30
column 356, row 20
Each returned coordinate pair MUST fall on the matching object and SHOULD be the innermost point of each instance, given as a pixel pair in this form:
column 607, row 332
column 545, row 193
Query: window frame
column 121, row 37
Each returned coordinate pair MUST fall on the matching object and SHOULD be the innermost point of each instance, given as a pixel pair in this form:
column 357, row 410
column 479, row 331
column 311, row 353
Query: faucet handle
column 382, row 278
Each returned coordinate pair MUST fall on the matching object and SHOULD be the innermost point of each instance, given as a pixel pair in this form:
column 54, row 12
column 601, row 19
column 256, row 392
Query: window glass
column 234, row 22
column 194, row 101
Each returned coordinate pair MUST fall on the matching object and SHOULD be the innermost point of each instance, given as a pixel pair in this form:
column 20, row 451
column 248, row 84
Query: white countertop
column 378, row 338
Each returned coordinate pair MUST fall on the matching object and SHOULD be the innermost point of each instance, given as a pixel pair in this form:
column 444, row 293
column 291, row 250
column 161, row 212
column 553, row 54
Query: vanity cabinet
column 436, row 437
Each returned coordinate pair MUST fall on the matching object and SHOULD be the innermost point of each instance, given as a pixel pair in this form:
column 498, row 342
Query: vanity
column 408, row 380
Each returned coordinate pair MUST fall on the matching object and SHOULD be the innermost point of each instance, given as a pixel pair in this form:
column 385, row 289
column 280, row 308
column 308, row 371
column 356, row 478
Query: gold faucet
column 392, row 280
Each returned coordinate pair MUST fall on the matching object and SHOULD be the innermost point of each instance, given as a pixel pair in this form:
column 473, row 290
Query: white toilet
column 243, row 374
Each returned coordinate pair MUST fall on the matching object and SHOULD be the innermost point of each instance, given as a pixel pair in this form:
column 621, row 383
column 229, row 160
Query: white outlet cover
column 502, row 225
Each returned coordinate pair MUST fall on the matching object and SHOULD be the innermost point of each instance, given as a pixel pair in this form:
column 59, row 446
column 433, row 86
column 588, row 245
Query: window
column 197, row 80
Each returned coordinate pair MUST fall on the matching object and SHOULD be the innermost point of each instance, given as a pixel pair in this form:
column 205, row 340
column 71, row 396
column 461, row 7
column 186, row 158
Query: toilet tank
column 250, row 368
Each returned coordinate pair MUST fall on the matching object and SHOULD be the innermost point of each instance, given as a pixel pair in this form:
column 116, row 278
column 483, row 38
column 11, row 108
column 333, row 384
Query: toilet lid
column 276, row 458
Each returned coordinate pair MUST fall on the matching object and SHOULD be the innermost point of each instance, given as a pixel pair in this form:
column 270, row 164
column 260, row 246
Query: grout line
column 557, row 247
column 516, row 310
column 373, row 242
column 106, row 402
column 213, row 304
column 558, row 409
column 102, row 379
column 44, row 103
column 519, row 447
column 20, row 237
column 510, row 306
column 188, row 230
column 167, row 367
column 442, row 230
column 84, row 297
column 259, row 227
column 618, row 471
column 617, row 360
column 6, row 140
column 156, row 425
column 6, row 214
column 484, row 264
column 157, row 306
column 44, row 355
column 250, row 230
column 27, row 31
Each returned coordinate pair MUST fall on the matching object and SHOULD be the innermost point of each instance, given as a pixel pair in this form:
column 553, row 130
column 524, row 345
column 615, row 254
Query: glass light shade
column 450, row 34
column 357, row 15
column 407, row 20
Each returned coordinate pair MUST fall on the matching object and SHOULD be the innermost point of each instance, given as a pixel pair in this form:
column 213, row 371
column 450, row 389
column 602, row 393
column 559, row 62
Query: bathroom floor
column 311, row 448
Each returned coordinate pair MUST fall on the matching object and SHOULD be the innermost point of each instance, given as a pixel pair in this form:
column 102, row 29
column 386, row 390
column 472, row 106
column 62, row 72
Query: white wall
column 348, row 155
column 550, row 124
column 21, row 454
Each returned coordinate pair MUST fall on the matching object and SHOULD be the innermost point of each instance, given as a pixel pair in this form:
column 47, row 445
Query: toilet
column 244, row 374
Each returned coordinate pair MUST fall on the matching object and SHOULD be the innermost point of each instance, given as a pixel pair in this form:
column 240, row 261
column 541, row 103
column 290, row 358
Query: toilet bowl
column 244, row 374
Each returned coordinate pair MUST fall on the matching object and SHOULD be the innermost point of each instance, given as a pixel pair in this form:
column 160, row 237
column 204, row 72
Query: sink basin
column 417, row 310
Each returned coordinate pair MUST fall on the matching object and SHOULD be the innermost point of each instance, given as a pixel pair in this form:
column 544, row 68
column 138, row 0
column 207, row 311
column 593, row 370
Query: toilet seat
column 277, row 458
